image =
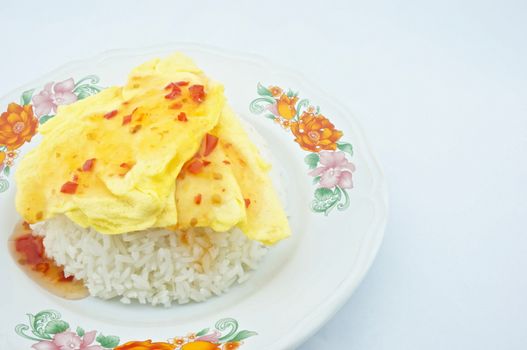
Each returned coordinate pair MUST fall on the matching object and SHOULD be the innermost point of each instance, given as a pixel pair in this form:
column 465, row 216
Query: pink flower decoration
column 69, row 341
column 212, row 338
column 335, row 170
column 45, row 345
column 273, row 108
column 54, row 95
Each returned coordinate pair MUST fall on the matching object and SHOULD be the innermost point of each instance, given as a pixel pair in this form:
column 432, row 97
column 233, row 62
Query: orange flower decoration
column 2, row 157
column 286, row 106
column 231, row 346
column 275, row 91
column 145, row 345
column 200, row 345
column 179, row 341
column 17, row 125
column 315, row 133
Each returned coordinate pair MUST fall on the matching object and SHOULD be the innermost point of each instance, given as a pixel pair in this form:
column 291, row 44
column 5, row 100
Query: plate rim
column 316, row 319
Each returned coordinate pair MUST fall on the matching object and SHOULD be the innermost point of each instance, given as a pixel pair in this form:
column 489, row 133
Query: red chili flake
column 206, row 162
column 247, row 202
column 176, row 105
column 63, row 278
column 197, row 93
column 111, row 114
column 32, row 247
column 178, row 83
column 127, row 119
column 172, row 95
column 69, row 187
column 75, row 178
column 197, row 199
column 88, row 165
column 195, row 166
column 226, row 162
column 176, row 91
column 211, row 142
column 182, row 117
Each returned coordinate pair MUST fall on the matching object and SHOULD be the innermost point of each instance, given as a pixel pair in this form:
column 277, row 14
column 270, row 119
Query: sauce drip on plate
column 28, row 252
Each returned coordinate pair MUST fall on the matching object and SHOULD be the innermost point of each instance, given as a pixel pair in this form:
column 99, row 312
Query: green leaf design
column 325, row 200
column 82, row 94
column 56, row 326
column 243, row 335
column 258, row 105
column 21, row 330
column 86, row 87
column 270, row 116
column 303, row 103
column 4, row 185
column 25, row 99
column 40, row 321
column 312, row 160
column 84, row 91
column 45, row 118
column 345, row 147
column 7, row 171
column 323, row 194
column 31, row 321
column 316, row 180
column 225, row 324
column 80, row 332
column 263, row 91
column 346, row 204
column 108, row 342
column 202, row 332
column 290, row 93
column 93, row 79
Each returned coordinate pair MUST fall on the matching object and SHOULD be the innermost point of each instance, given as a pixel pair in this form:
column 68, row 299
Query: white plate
column 300, row 284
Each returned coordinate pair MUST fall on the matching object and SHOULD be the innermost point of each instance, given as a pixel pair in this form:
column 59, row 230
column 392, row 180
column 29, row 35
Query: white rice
column 154, row 266
column 158, row 266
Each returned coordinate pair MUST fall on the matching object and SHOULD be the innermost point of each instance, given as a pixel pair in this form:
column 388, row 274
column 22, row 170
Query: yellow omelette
column 124, row 160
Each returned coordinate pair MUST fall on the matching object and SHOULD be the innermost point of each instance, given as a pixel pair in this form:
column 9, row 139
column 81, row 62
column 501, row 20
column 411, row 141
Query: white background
column 441, row 91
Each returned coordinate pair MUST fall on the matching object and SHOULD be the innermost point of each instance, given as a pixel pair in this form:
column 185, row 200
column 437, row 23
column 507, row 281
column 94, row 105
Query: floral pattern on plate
column 20, row 121
column 328, row 157
column 51, row 332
